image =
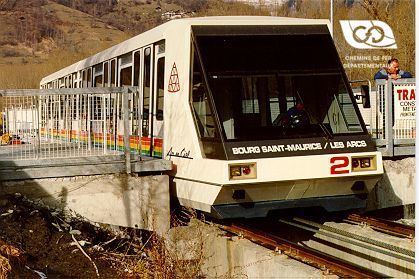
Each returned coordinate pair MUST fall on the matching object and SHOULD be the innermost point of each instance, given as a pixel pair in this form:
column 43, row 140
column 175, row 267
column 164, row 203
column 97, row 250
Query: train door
column 136, row 102
column 158, row 100
column 152, row 101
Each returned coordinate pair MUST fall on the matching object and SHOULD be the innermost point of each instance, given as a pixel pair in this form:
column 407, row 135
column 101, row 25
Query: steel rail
column 386, row 226
column 351, row 236
column 304, row 254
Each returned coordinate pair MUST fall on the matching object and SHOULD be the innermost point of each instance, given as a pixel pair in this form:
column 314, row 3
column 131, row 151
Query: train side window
column 80, row 79
column 98, row 81
column 74, row 80
column 146, row 90
column 137, row 64
column 89, row 77
column 98, row 76
column 125, row 74
column 84, row 79
column 61, row 83
column 106, row 74
column 160, row 88
column 113, row 73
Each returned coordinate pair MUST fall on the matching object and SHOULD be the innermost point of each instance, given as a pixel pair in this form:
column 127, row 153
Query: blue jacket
column 382, row 74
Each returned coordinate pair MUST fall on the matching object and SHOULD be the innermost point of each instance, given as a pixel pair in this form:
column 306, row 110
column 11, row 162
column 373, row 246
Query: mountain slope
column 41, row 36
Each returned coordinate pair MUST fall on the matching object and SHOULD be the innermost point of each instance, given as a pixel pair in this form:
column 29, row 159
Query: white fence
column 63, row 123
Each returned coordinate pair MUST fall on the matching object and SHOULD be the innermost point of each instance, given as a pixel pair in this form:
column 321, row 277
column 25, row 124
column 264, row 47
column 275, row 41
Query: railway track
column 307, row 255
column 389, row 227
column 369, row 255
column 354, row 239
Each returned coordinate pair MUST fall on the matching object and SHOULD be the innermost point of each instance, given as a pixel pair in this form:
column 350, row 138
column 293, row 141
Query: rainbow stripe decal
column 157, row 148
column 137, row 144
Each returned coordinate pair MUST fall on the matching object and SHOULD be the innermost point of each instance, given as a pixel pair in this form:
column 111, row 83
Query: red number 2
column 338, row 163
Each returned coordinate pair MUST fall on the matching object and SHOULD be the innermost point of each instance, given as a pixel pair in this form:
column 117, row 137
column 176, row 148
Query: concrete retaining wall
column 122, row 200
column 234, row 257
column 397, row 187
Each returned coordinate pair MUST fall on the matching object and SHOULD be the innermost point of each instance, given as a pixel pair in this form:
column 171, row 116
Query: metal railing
column 393, row 110
column 64, row 123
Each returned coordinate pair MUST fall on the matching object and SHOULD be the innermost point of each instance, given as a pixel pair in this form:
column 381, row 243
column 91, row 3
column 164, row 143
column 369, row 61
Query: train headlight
column 242, row 171
column 366, row 163
column 355, row 163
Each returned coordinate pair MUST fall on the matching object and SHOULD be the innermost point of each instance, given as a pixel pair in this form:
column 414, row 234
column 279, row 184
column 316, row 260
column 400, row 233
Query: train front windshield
column 267, row 86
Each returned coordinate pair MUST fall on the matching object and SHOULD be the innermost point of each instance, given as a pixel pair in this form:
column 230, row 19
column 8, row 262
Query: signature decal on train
column 181, row 154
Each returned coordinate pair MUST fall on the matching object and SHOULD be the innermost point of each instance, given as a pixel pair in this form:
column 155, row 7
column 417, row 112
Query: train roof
column 159, row 32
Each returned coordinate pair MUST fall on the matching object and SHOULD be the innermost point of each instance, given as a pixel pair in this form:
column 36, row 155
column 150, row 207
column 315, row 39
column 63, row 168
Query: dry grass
column 178, row 255
column 7, row 251
column 24, row 61
column 28, row 75
column 5, row 267
column 221, row 8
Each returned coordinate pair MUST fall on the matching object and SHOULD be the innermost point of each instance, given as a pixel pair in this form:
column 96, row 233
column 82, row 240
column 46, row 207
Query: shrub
column 8, row 52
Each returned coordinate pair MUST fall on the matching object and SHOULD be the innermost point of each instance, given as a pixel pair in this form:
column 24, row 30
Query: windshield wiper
column 326, row 131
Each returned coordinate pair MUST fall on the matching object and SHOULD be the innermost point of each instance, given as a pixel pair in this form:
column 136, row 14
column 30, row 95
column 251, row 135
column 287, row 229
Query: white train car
column 256, row 113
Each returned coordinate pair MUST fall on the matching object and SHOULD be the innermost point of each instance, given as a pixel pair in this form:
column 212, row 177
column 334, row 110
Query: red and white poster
column 404, row 102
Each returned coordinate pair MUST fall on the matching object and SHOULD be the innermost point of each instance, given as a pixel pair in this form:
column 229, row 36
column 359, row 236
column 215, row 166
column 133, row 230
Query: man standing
column 392, row 71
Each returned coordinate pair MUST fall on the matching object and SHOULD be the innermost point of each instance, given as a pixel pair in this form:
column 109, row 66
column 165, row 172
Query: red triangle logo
column 174, row 85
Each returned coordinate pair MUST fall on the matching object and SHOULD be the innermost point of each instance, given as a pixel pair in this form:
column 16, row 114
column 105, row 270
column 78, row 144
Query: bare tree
column 375, row 11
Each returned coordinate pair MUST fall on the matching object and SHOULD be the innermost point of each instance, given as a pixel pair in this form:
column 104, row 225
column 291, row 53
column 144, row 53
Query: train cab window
column 279, row 92
column 201, row 106
column 202, row 109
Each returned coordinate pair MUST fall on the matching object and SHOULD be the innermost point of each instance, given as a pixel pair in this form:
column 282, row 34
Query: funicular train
column 256, row 113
